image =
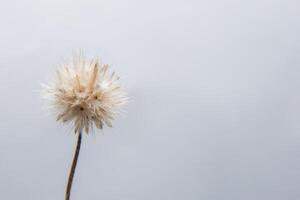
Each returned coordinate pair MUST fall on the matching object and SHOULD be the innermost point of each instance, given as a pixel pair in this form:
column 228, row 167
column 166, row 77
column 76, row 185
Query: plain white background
column 215, row 100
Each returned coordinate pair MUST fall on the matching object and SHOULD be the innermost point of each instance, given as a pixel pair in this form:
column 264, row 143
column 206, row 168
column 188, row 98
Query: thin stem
column 73, row 167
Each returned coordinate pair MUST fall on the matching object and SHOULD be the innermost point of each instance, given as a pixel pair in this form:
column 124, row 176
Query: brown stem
column 73, row 167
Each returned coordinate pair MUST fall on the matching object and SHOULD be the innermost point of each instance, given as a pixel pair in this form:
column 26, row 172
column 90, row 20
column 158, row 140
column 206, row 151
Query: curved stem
column 73, row 167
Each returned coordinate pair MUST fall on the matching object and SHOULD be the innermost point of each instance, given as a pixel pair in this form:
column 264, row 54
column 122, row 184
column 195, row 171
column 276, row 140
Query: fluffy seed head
column 86, row 94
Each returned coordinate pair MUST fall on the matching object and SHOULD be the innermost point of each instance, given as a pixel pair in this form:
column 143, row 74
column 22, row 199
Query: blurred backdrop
column 215, row 101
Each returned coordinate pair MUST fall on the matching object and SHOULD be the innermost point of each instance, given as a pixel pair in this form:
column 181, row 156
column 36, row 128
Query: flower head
column 86, row 94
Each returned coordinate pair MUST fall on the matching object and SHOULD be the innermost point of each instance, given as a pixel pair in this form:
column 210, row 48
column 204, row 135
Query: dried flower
column 86, row 94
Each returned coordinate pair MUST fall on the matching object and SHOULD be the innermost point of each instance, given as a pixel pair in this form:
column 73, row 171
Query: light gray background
column 215, row 100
